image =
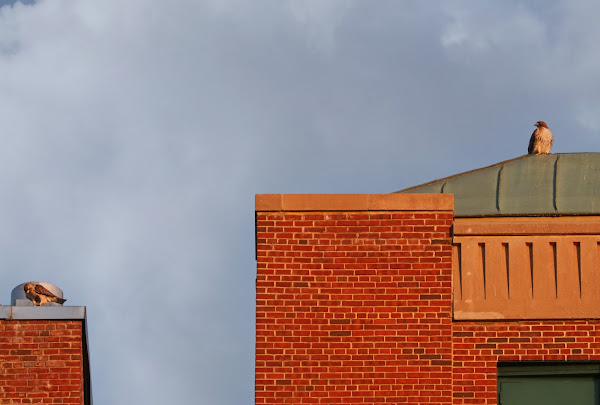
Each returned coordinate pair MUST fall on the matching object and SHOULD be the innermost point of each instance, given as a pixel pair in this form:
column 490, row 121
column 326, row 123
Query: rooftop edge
column 354, row 202
column 15, row 313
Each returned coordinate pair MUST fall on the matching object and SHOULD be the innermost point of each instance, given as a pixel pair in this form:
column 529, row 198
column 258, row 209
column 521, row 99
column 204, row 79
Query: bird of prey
column 541, row 140
column 40, row 295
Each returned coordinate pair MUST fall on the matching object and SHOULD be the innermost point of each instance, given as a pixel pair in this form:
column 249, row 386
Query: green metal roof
column 555, row 184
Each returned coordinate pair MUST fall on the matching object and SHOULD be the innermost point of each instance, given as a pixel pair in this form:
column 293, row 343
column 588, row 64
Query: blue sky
column 136, row 133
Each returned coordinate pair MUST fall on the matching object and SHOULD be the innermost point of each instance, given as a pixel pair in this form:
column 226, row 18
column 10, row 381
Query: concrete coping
column 354, row 202
column 8, row 312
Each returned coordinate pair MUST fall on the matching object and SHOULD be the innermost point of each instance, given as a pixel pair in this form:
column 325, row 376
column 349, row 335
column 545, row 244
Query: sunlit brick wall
column 353, row 299
column 478, row 346
column 41, row 362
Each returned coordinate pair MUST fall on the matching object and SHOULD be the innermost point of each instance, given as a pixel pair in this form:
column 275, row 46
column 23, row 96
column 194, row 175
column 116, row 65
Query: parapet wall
column 354, row 299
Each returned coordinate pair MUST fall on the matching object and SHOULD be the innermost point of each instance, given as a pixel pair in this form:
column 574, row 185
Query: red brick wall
column 478, row 346
column 41, row 362
column 354, row 306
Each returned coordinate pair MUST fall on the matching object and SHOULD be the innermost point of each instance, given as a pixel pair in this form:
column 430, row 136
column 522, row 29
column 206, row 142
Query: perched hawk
column 40, row 295
column 541, row 140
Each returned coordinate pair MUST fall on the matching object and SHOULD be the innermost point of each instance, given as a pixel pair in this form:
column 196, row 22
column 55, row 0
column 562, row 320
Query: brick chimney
column 43, row 353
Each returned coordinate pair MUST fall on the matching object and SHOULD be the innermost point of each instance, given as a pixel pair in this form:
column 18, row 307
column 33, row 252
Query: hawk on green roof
column 541, row 140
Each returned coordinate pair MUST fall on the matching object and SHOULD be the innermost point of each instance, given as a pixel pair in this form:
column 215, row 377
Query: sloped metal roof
column 555, row 184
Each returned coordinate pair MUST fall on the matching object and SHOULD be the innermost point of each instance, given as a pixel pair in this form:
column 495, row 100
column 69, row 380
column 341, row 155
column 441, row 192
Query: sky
column 136, row 133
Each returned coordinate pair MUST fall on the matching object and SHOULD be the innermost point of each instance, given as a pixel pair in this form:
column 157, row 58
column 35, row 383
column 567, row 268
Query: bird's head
column 28, row 287
column 540, row 124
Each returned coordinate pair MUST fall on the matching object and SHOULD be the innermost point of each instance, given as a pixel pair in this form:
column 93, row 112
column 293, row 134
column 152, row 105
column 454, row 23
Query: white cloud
column 319, row 20
column 493, row 28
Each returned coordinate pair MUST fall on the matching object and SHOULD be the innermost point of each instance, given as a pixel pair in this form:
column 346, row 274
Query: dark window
column 555, row 383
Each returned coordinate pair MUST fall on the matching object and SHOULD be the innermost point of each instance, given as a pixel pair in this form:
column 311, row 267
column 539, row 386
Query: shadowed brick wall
column 353, row 299
column 41, row 362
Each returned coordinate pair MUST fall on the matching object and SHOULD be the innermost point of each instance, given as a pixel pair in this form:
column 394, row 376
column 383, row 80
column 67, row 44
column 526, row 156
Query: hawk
column 40, row 295
column 541, row 140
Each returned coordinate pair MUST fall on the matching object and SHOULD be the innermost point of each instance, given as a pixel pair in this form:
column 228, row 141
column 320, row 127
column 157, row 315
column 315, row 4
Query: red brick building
column 483, row 288
column 43, row 354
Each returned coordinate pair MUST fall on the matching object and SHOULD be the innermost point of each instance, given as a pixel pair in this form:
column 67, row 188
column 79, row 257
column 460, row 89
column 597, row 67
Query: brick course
column 41, row 362
column 354, row 307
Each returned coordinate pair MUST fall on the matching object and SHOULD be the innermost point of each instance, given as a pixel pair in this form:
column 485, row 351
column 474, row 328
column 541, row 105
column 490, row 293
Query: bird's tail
column 60, row 300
